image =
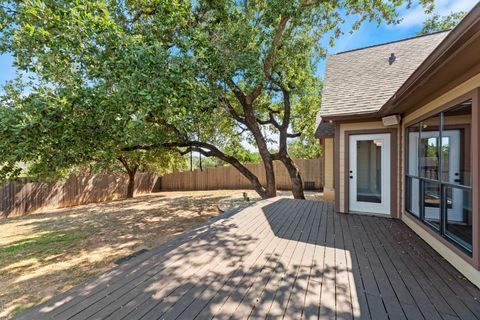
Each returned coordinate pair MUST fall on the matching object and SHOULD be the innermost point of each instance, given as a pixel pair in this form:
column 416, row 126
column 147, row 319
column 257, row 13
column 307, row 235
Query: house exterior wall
column 336, row 167
column 469, row 266
column 328, row 188
column 356, row 128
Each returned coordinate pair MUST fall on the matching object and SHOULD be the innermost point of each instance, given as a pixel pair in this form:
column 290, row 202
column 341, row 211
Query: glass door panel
column 369, row 171
column 432, row 203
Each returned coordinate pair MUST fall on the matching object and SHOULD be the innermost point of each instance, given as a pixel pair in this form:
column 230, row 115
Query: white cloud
column 416, row 14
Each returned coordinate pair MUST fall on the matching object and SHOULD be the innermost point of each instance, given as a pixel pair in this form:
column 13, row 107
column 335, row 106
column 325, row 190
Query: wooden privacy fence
column 23, row 197
column 228, row 177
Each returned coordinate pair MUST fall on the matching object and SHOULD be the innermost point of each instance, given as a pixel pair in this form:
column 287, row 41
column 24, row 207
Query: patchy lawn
column 42, row 255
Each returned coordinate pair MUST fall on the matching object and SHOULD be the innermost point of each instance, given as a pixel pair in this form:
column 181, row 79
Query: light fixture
column 391, row 120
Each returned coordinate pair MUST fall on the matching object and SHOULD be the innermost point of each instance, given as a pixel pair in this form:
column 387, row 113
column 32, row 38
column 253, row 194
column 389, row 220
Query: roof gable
column 362, row 81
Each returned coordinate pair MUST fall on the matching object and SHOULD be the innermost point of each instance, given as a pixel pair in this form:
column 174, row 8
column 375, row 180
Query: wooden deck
column 278, row 258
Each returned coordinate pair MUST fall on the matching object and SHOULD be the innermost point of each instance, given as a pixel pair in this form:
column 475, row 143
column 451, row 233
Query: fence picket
column 227, row 177
column 23, row 197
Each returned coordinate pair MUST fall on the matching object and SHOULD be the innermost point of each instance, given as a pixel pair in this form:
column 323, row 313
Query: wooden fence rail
column 228, row 177
column 23, row 197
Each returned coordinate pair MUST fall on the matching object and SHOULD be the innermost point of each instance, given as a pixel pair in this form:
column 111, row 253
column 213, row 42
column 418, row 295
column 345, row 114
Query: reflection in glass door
column 369, row 169
column 429, row 169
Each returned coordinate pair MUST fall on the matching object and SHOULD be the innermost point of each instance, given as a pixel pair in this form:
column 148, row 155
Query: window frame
column 441, row 230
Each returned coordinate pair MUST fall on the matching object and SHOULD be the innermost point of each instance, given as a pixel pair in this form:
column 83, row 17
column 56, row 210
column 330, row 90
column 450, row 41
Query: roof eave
column 350, row 116
column 461, row 34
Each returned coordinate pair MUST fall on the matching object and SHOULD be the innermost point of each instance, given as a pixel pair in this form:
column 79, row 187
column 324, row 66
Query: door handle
column 351, row 177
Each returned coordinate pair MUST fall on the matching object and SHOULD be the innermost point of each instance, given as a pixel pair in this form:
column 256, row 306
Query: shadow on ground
column 42, row 255
column 280, row 257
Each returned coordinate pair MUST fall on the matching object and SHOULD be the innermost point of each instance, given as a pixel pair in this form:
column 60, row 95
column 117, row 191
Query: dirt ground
column 42, row 255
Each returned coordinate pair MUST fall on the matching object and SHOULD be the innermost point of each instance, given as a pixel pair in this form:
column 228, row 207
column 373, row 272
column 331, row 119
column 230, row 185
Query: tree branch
column 267, row 65
column 271, row 120
column 293, row 135
column 283, row 135
column 150, row 118
column 287, row 109
column 272, row 110
column 309, row 3
column 237, row 91
column 207, row 150
column 232, row 111
column 297, row 134
column 242, row 131
column 149, row 11
column 126, row 165
column 142, row 147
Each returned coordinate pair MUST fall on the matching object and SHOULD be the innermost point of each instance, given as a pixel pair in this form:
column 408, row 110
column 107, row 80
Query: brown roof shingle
column 361, row 81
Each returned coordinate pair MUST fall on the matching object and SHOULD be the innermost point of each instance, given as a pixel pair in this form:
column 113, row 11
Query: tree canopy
column 46, row 139
column 204, row 76
column 437, row 22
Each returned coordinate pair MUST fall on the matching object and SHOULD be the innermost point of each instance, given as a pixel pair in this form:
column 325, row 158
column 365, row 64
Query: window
column 429, row 141
column 438, row 175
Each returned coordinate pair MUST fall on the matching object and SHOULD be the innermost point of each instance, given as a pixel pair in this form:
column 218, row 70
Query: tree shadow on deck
column 215, row 265
column 277, row 258
column 42, row 255
column 371, row 267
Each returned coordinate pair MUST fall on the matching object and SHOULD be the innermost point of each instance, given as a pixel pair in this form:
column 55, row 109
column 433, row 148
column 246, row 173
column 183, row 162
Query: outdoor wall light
column 391, row 120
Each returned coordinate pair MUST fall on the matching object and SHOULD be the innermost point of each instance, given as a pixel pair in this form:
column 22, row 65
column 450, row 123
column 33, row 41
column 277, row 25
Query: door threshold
column 375, row 214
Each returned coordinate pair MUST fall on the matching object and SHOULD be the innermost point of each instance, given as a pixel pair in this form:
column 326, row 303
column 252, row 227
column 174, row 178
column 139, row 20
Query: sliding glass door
column 438, row 177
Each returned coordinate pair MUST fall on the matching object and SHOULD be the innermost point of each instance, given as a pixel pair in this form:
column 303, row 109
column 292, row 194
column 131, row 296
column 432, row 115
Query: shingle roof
column 325, row 130
column 362, row 80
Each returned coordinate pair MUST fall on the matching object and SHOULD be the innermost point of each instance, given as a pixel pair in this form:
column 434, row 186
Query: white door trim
column 384, row 207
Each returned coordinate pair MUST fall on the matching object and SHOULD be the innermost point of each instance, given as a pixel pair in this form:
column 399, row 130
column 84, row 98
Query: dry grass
column 42, row 255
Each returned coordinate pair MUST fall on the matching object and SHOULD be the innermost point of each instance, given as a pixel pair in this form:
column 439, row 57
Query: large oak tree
column 202, row 76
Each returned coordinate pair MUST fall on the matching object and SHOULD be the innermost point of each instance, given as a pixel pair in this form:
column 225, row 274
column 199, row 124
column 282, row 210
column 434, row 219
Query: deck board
column 278, row 258
column 214, row 295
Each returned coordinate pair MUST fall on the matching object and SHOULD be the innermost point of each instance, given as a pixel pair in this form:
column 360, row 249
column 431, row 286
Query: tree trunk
column 295, row 177
column 131, row 171
column 271, row 187
column 262, row 191
column 271, row 183
column 250, row 121
column 293, row 172
column 257, row 186
column 131, row 184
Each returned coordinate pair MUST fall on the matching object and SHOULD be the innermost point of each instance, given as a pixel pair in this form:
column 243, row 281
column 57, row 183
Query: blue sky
column 368, row 34
column 371, row 34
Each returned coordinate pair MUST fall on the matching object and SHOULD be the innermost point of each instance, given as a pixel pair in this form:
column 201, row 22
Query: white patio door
column 369, row 173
